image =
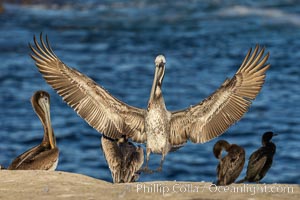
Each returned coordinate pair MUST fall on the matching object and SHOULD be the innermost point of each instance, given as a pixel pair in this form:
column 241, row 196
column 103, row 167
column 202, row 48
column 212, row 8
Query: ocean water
column 115, row 43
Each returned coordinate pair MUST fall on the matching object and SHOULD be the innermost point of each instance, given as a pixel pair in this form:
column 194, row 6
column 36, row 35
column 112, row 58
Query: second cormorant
column 261, row 160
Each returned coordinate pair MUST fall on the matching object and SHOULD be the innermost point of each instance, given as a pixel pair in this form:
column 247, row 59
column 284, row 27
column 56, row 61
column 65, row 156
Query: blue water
column 116, row 43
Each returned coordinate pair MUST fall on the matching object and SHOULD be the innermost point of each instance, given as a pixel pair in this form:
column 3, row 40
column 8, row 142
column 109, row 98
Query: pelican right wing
column 93, row 103
column 215, row 114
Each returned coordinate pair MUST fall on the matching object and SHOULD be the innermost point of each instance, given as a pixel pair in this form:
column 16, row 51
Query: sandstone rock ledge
column 17, row 185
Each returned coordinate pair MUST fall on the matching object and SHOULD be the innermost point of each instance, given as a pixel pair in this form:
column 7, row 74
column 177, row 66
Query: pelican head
column 41, row 104
column 160, row 62
column 267, row 136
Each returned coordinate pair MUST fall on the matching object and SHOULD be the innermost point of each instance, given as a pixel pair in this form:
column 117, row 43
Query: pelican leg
column 148, row 151
column 159, row 169
column 146, row 168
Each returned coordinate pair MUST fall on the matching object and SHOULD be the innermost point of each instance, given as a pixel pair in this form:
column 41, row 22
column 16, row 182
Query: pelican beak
column 160, row 62
column 45, row 105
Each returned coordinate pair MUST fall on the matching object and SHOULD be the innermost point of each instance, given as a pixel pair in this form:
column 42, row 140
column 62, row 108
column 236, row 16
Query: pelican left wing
column 214, row 115
column 93, row 103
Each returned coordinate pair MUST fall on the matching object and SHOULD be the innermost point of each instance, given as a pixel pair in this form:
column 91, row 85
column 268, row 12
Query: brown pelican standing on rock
column 231, row 165
column 123, row 158
column 45, row 155
column 261, row 160
column 159, row 128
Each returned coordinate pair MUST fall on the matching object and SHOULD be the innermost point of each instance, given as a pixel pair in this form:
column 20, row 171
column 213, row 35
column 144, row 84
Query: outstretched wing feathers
column 200, row 123
column 214, row 115
column 93, row 103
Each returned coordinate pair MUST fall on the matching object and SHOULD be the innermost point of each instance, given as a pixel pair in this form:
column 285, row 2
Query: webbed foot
column 146, row 170
column 159, row 169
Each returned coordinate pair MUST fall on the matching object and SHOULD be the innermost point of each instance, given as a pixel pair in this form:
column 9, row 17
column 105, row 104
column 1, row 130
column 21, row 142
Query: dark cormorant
column 231, row 165
column 261, row 160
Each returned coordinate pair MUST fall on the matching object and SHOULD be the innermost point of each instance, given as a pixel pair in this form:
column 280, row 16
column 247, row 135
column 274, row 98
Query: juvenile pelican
column 159, row 128
column 123, row 159
column 45, row 155
column 231, row 165
column 261, row 160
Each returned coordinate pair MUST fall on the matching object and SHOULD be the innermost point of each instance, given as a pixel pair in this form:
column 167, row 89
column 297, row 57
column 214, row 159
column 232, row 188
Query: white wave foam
column 275, row 14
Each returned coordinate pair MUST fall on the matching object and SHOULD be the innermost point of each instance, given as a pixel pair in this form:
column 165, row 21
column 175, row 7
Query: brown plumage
column 45, row 155
column 123, row 159
column 159, row 128
column 261, row 160
column 231, row 165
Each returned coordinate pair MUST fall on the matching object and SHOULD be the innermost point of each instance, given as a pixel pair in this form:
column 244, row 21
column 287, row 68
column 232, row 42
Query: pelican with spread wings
column 160, row 129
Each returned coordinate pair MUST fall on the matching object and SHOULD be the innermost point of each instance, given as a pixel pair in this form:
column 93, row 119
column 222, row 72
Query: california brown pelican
column 159, row 128
column 123, row 158
column 231, row 165
column 45, row 155
column 261, row 160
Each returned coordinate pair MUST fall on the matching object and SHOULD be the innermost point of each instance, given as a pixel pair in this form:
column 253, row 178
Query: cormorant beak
column 275, row 134
column 217, row 153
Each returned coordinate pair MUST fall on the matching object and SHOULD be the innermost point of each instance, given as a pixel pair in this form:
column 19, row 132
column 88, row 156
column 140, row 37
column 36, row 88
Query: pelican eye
column 44, row 97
